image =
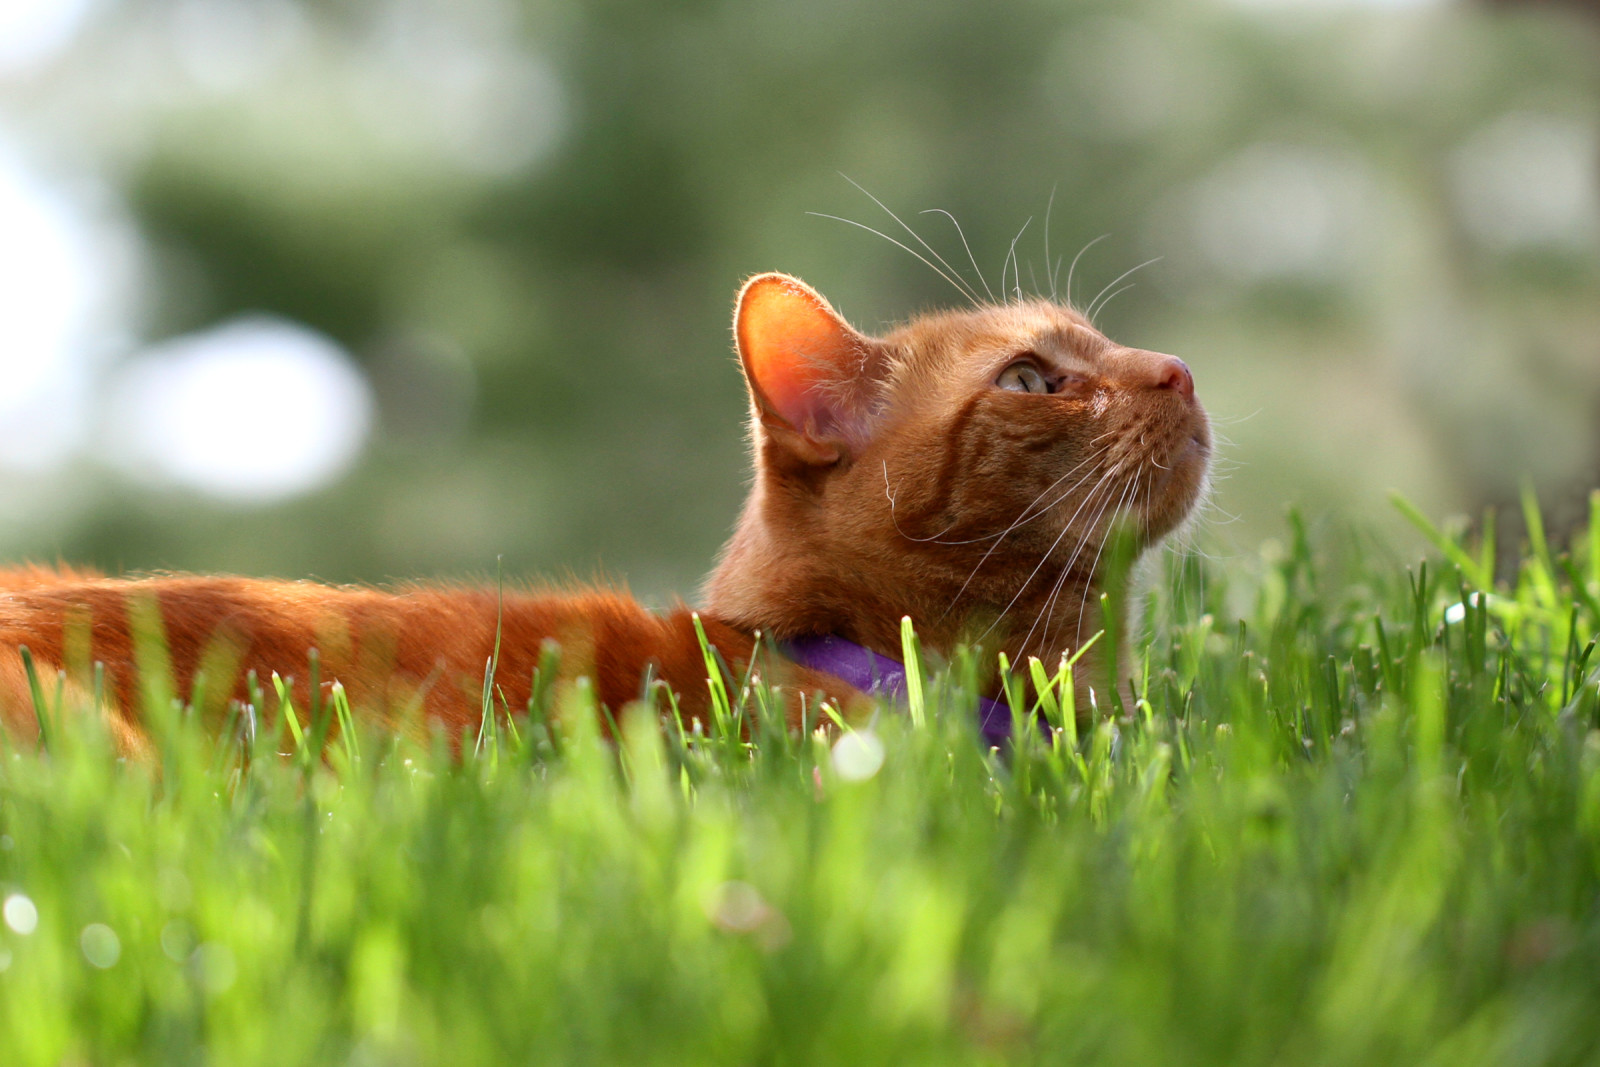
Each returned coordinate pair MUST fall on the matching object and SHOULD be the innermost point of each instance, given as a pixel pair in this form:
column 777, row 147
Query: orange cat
column 963, row 470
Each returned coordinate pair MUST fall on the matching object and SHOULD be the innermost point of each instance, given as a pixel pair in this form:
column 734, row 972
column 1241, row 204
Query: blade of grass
column 486, row 720
column 721, row 710
column 911, row 652
column 1540, row 568
column 1477, row 573
column 41, row 714
column 286, row 711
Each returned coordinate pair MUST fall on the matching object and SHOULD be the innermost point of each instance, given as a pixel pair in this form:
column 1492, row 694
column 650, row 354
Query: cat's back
column 23, row 577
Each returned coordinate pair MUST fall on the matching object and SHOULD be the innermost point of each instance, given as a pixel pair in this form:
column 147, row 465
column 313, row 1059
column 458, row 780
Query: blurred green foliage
column 541, row 210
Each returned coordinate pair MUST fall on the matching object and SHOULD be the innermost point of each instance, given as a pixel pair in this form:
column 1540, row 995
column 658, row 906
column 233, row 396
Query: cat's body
column 963, row 470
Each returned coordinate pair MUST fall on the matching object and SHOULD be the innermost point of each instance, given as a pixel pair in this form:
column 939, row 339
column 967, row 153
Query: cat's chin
column 1177, row 488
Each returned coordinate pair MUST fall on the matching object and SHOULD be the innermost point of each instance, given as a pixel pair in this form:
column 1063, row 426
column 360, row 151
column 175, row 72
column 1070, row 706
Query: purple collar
column 882, row 676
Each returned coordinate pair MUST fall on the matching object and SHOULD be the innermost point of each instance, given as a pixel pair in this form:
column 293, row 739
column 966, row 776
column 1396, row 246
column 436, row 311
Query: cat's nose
column 1173, row 373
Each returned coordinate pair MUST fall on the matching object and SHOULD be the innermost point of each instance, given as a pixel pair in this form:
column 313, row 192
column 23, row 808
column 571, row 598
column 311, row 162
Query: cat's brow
column 1071, row 343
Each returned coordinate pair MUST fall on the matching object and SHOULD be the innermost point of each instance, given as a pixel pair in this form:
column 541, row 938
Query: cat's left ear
column 813, row 378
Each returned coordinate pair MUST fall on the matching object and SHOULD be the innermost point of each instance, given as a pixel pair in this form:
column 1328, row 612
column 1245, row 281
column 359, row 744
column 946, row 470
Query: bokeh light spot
column 255, row 410
column 101, row 945
column 31, row 31
column 20, row 914
column 1530, row 179
column 48, row 288
column 857, row 756
column 1284, row 210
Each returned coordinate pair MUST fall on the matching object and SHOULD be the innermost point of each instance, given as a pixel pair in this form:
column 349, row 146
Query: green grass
column 1354, row 822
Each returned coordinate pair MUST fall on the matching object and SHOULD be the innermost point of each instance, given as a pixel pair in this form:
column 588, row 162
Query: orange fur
column 894, row 476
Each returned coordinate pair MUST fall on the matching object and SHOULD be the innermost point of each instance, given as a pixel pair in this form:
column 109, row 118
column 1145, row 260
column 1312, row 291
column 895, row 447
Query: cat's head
column 965, row 465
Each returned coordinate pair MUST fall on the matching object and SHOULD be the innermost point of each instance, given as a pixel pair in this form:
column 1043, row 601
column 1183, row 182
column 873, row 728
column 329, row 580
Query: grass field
column 1355, row 821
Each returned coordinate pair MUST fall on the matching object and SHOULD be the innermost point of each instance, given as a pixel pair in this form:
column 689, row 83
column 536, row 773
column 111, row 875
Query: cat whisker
column 1049, row 614
column 1193, row 549
column 931, row 250
column 1114, row 294
column 1048, row 204
column 1011, row 257
column 1105, row 479
column 1020, row 521
column 1077, row 552
column 1025, row 517
column 1074, row 264
column 1089, row 500
column 888, row 492
column 1235, row 420
column 1089, row 314
column 1044, row 614
column 960, row 286
column 970, row 257
column 1078, row 631
column 1186, row 556
column 1047, row 610
column 1104, row 512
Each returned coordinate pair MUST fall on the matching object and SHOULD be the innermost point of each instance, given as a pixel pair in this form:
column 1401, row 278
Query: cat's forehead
column 1046, row 329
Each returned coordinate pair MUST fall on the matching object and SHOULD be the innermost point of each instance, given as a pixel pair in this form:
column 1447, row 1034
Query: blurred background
column 386, row 289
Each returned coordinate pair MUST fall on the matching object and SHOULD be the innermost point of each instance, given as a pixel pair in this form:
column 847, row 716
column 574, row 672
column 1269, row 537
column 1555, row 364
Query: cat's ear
column 814, row 379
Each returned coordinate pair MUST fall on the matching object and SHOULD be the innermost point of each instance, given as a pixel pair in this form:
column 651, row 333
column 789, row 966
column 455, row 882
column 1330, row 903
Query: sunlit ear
column 812, row 377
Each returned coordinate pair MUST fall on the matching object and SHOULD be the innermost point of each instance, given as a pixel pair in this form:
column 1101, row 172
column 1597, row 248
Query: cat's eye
column 1023, row 377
